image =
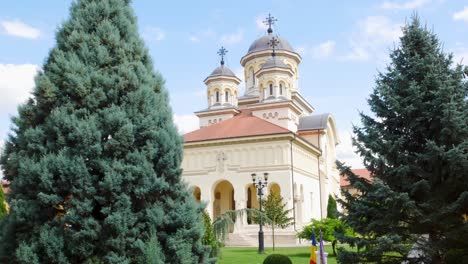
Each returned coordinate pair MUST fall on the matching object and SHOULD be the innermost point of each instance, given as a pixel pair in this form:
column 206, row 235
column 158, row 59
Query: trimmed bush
column 277, row 259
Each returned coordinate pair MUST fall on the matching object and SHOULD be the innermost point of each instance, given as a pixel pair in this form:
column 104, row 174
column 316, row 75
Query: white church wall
column 214, row 119
column 205, row 166
column 283, row 117
column 307, row 199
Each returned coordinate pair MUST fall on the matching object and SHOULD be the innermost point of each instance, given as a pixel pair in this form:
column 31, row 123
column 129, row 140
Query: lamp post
column 259, row 185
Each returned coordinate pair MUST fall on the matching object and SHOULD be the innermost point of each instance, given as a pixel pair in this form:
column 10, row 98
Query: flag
column 313, row 248
column 323, row 258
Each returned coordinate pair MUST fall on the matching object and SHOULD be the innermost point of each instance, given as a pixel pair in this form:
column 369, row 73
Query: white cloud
column 260, row 24
column 460, row 54
column 186, row 123
column 319, row 51
column 16, row 84
column 324, row 49
column 372, row 39
column 154, row 34
column 20, row 29
column 233, row 38
column 202, row 35
column 194, row 39
column 461, row 15
column 408, row 5
column 345, row 152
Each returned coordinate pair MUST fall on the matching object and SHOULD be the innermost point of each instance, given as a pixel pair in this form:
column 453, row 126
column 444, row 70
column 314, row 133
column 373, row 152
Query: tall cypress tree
column 94, row 157
column 416, row 147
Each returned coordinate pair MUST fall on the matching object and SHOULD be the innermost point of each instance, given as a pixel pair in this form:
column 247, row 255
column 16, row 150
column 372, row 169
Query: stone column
column 240, row 199
column 221, row 94
column 206, row 196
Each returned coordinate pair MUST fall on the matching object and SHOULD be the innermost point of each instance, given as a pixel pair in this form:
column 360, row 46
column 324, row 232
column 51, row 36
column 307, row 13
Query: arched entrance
column 223, row 198
column 196, row 193
column 275, row 188
column 252, row 200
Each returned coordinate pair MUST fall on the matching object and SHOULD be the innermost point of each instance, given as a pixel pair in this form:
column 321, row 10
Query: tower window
column 253, row 77
column 281, row 89
column 217, row 96
column 226, row 95
column 271, row 89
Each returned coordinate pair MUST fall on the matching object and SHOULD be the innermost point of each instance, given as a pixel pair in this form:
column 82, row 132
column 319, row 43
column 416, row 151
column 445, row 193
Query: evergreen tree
column 331, row 207
column 276, row 213
column 415, row 146
column 94, row 157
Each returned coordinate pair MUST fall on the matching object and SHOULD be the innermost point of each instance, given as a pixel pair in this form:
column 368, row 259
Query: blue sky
column 343, row 45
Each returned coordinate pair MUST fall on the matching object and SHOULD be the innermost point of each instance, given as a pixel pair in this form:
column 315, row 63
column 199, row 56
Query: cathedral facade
column 271, row 130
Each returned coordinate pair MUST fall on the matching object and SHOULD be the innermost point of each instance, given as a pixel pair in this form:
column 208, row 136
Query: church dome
column 262, row 44
column 222, row 71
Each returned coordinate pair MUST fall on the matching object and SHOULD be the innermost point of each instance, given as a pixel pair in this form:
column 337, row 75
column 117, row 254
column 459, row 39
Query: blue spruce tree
column 94, row 157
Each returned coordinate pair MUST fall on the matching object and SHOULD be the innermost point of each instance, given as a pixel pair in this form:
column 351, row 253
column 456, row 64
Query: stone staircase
column 248, row 237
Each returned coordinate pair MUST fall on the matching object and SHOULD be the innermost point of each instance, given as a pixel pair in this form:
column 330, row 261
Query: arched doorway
column 252, row 201
column 223, row 198
column 275, row 188
column 196, row 193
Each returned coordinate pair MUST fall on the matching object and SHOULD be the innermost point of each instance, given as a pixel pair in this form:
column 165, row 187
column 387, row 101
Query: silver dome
column 222, row 71
column 263, row 44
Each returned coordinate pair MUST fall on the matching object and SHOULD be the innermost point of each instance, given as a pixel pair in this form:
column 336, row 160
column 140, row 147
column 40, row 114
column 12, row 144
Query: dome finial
column 273, row 44
column 221, row 52
column 270, row 20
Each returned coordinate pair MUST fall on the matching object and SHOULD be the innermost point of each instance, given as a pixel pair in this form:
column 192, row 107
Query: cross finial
column 270, row 20
column 221, row 52
column 273, row 44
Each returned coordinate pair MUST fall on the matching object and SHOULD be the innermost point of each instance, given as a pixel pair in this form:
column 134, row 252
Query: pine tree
column 331, row 207
column 94, row 157
column 415, row 146
column 276, row 213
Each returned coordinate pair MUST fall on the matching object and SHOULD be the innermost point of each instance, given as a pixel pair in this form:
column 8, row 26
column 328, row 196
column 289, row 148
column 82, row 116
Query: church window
column 253, row 77
column 281, row 89
column 226, row 95
column 217, row 96
column 271, row 89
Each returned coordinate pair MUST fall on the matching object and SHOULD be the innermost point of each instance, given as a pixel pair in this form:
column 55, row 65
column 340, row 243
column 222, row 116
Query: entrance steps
column 248, row 237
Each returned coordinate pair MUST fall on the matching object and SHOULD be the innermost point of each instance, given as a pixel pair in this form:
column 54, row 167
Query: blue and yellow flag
column 313, row 248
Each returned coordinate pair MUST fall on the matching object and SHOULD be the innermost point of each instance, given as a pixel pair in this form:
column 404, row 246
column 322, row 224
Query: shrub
column 277, row 259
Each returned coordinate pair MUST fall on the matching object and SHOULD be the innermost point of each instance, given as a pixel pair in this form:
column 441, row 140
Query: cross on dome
column 270, row 20
column 273, row 44
column 221, row 52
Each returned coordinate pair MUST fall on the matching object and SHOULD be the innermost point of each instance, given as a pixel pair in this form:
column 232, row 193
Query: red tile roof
column 363, row 173
column 241, row 125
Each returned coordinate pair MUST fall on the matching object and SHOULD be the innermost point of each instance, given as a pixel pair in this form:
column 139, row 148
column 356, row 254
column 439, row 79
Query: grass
column 298, row 255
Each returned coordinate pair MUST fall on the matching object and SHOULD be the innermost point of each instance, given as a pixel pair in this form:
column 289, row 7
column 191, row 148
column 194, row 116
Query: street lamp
column 259, row 185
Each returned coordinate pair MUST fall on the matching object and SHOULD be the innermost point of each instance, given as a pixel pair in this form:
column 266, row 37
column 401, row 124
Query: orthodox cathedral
column 271, row 131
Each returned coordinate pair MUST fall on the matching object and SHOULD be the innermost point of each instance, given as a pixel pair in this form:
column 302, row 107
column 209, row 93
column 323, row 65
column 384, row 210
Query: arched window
column 281, row 89
column 271, row 89
column 226, row 96
column 253, row 77
column 217, row 96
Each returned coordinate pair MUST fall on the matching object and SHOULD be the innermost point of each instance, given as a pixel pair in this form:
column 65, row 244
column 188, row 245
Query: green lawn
column 244, row 255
